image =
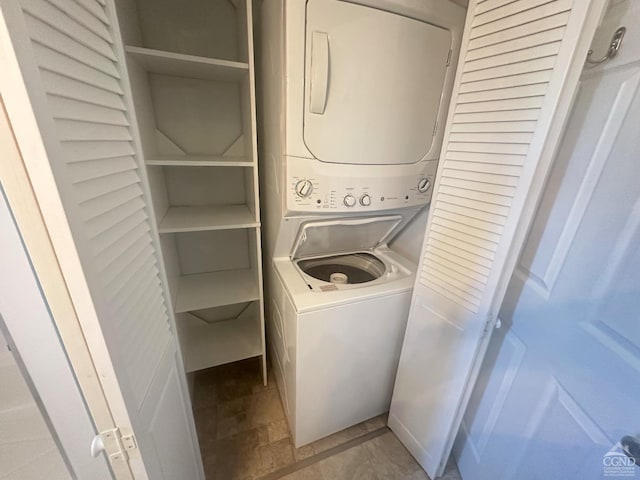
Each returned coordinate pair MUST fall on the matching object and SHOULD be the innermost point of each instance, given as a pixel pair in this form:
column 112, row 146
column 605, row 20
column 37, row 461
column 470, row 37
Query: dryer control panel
column 314, row 190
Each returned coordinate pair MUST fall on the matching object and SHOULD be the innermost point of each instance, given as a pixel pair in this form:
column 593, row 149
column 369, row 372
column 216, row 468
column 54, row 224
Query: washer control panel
column 316, row 192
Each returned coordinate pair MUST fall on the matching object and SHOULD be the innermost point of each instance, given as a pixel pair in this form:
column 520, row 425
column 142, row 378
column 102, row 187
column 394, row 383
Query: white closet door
column 517, row 74
column 73, row 68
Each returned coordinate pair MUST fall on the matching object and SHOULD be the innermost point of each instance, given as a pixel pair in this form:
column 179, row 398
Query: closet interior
column 191, row 70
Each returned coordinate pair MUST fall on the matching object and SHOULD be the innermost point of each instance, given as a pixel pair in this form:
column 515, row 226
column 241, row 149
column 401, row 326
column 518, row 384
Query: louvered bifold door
column 74, row 71
column 517, row 72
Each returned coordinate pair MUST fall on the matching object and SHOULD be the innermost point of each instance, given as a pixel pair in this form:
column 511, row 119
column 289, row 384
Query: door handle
column 319, row 72
column 97, row 446
column 631, row 447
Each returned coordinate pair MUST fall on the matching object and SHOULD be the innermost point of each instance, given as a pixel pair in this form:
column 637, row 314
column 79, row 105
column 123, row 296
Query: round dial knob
column 349, row 200
column 423, row 185
column 304, row 188
column 365, row 200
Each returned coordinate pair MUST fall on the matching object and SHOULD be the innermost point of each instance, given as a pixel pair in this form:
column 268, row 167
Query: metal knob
column 304, row 188
column 631, row 447
column 365, row 200
column 423, row 185
column 349, row 200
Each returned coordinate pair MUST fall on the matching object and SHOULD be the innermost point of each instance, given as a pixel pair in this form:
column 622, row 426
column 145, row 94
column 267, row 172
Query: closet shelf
column 222, row 342
column 198, row 161
column 190, row 66
column 198, row 219
column 215, row 289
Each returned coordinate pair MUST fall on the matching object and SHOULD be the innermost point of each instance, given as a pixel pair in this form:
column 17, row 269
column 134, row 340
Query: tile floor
column 244, row 435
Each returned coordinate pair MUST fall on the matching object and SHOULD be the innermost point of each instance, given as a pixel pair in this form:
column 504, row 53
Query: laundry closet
column 225, row 180
column 348, row 161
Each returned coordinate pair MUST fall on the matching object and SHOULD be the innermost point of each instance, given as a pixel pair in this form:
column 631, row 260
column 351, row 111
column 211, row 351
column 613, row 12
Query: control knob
column 304, row 188
column 423, row 185
column 349, row 200
column 365, row 200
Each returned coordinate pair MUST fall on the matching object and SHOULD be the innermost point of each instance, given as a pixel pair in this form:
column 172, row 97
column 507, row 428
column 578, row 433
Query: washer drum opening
column 357, row 267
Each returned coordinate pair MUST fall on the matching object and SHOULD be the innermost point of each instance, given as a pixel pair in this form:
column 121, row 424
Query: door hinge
column 449, row 57
column 435, row 128
column 118, row 448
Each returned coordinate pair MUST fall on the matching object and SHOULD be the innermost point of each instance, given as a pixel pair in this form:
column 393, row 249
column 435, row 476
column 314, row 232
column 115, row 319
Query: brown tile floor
column 244, row 435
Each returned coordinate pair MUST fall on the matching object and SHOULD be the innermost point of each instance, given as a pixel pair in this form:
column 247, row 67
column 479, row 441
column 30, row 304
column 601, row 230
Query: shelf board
column 198, row 161
column 199, row 219
column 214, row 289
column 222, row 342
column 190, row 66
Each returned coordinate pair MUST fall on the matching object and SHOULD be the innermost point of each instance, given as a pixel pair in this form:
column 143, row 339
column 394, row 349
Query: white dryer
column 339, row 312
column 356, row 94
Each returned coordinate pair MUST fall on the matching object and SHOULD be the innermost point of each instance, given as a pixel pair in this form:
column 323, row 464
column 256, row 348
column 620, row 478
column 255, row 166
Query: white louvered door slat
column 140, row 268
column 48, row 12
column 71, row 130
column 91, row 209
column 66, row 87
column 57, row 62
column 503, row 93
column 95, row 169
column 517, row 73
column 543, row 24
column 125, row 306
column 71, row 52
column 95, row 8
column 535, row 51
column 87, row 19
column 72, row 109
column 473, row 222
column 54, row 39
column 521, row 16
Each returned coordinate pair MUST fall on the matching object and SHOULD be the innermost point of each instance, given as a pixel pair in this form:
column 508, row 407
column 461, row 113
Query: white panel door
column 81, row 153
column 561, row 382
column 360, row 105
column 518, row 71
column 43, row 419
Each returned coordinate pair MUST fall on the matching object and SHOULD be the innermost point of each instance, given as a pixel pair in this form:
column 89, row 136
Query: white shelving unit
column 198, row 161
column 188, row 66
column 197, row 219
column 222, row 342
column 191, row 68
column 216, row 289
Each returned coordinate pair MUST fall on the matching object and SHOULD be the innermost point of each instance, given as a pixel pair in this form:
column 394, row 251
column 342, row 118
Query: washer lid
column 343, row 236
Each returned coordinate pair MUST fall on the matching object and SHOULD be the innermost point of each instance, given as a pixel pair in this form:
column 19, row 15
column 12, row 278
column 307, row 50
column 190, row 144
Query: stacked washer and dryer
column 354, row 97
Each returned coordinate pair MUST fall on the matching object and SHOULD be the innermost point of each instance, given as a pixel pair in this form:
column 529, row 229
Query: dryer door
column 373, row 84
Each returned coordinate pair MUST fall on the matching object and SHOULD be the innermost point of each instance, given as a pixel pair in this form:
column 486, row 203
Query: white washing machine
column 354, row 97
column 339, row 309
